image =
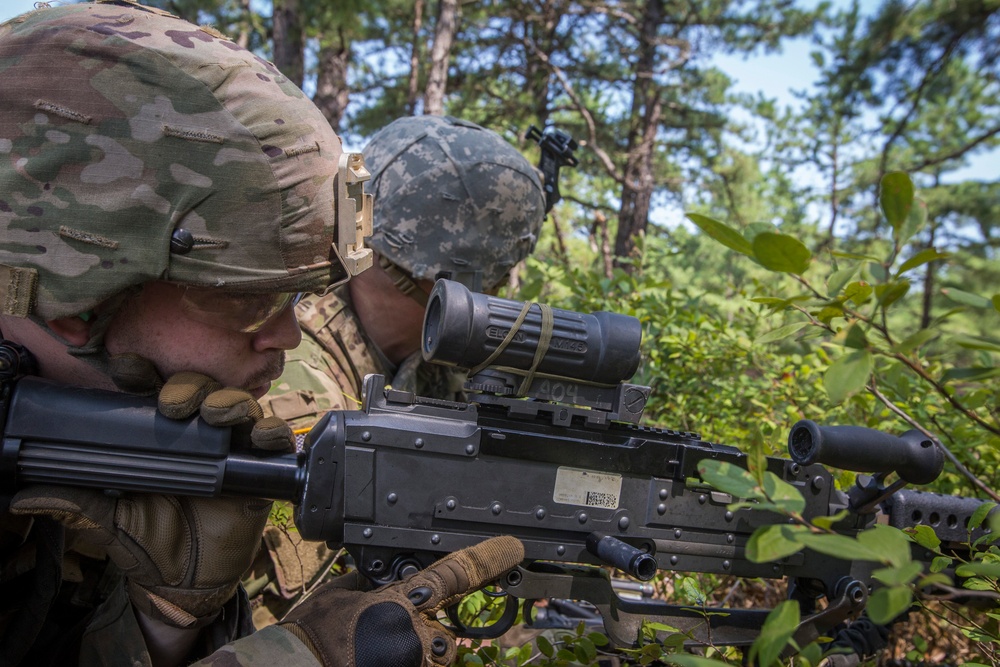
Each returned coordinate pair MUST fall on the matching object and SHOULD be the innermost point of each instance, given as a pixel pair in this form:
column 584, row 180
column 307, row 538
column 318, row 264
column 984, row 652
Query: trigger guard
column 502, row 625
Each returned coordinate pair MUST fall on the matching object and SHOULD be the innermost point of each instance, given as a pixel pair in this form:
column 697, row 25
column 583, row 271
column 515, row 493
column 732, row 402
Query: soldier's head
column 159, row 185
column 452, row 199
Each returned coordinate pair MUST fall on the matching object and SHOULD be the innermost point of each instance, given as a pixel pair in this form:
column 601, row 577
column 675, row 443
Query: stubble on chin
column 275, row 367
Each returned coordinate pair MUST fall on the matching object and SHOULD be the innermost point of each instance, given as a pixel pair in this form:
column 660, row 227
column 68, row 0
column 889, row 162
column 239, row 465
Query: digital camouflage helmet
column 135, row 146
column 453, row 199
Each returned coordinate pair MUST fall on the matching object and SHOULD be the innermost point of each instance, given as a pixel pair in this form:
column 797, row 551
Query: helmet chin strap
column 404, row 283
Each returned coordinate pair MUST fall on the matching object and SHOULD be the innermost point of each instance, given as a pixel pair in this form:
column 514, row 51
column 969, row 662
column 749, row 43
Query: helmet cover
column 136, row 146
column 451, row 196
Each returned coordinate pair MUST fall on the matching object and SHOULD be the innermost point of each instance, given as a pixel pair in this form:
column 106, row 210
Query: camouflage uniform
column 452, row 199
column 135, row 146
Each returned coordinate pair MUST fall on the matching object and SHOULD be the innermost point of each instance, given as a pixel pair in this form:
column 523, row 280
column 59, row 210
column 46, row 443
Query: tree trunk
column 289, row 47
column 647, row 110
column 444, row 35
column 413, row 88
column 331, row 82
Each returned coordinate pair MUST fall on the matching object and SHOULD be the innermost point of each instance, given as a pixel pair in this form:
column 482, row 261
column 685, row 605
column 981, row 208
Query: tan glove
column 186, row 393
column 182, row 557
column 397, row 625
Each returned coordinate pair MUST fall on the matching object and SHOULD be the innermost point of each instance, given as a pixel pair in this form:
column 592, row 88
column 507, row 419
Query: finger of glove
column 463, row 572
column 348, row 627
column 183, row 394
column 230, row 406
column 79, row 509
column 272, row 434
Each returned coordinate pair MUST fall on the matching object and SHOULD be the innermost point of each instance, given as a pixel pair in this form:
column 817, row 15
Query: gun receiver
column 406, row 479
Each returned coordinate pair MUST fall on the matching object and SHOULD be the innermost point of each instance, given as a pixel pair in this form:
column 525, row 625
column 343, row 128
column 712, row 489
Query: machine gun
column 550, row 450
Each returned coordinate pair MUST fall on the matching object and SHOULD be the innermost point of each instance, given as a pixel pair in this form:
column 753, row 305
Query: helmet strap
column 404, row 283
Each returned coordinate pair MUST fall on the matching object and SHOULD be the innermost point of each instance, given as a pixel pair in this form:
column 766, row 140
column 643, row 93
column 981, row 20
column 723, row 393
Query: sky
column 756, row 73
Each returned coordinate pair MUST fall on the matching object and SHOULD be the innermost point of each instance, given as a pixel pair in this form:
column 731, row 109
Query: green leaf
column 858, row 292
column 780, row 333
column 774, row 542
column 778, row 628
column 977, row 518
column 688, row 660
column 898, row 576
column 996, row 302
column 915, row 341
column 896, row 198
column 855, row 338
column 839, row 546
column 599, row 639
column 782, row 253
column 826, row 522
column 979, row 568
column 840, row 278
column 722, row 233
column 940, row 564
column 914, row 222
column 890, row 543
column 755, row 228
column 970, row 374
column 729, row 478
column 756, row 456
column 890, row 293
column 886, row 604
column 848, row 375
column 545, row 646
column 966, row 298
column 978, row 584
column 925, row 537
column 585, row 650
column 923, row 257
column 972, row 343
column 783, row 494
column 852, row 255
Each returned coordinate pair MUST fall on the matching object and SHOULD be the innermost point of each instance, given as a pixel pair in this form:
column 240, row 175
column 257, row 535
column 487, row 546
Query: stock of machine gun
column 548, row 449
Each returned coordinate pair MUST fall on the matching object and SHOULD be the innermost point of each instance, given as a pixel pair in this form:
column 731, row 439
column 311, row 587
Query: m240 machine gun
column 549, row 450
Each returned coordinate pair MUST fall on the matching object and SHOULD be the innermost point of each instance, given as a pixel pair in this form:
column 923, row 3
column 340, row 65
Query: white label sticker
column 587, row 488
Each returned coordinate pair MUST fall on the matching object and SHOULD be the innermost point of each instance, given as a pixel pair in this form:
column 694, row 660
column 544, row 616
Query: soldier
column 165, row 196
column 452, row 199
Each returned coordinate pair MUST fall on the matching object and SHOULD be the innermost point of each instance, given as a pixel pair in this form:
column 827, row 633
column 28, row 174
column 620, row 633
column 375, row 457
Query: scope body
column 463, row 328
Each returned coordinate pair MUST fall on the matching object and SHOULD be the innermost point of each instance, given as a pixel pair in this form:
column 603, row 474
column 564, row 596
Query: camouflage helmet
column 135, row 146
column 452, row 197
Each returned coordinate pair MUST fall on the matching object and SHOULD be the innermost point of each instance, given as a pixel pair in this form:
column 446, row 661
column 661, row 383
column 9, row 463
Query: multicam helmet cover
column 452, row 197
column 136, row 146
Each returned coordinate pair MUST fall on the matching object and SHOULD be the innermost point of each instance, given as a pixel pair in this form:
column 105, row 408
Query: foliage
column 852, row 313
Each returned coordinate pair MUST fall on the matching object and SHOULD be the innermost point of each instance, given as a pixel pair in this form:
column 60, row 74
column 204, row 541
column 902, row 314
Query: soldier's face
column 156, row 325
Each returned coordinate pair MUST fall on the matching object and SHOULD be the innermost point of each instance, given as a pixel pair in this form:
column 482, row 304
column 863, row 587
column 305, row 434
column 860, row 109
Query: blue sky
column 756, row 73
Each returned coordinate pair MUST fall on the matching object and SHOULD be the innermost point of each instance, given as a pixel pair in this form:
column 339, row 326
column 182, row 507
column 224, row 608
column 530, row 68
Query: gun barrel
column 57, row 434
column 912, row 455
column 463, row 328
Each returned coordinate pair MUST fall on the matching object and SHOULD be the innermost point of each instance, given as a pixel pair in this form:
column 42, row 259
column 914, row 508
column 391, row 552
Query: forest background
column 775, row 253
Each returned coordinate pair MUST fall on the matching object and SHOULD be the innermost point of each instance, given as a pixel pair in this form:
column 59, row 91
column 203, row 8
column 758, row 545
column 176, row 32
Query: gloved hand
column 396, row 626
column 186, row 393
column 182, row 557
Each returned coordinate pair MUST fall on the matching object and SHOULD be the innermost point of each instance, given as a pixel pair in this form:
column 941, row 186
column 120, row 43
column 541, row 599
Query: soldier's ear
column 74, row 330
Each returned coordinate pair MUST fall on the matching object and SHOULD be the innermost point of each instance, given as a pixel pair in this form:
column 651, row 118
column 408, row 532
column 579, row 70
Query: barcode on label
column 599, row 499
column 587, row 488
